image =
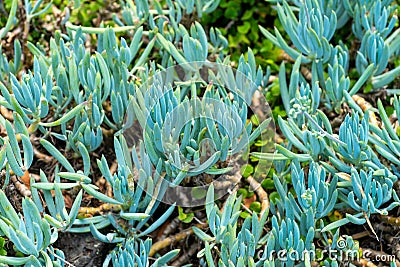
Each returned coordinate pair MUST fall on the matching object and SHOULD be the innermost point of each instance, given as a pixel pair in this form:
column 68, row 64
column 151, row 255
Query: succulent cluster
column 361, row 180
column 165, row 95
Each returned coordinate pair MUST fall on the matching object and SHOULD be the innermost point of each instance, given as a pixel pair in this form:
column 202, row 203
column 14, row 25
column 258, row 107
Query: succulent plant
column 30, row 234
column 165, row 95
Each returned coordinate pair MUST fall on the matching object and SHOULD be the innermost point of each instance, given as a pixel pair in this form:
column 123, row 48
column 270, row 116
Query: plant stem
column 262, row 195
column 173, row 239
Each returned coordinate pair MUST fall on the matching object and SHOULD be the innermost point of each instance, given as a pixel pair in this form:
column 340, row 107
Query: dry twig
column 262, row 195
column 106, row 207
column 364, row 105
column 6, row 113
column 173, row 239
column 172, row 226
column 360, row 235
column 21, row 187
column 45, row 158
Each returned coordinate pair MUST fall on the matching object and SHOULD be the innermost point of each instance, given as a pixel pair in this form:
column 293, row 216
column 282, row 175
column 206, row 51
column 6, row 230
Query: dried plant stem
column 173, row 239
column 262, row 195
column 369, row 223
column 170, row 228
column 360, row 235
column 306, row 73
column 6, row 113
column 45, row 158
column 395, row 221
column 364, row 105
column 36, row 177
column 21, row 187
column 285, row 56
column 106, row 207
column 26, row 28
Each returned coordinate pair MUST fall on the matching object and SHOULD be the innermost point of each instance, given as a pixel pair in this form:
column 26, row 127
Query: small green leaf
column 244, row 214
column 247, row 170
column 255, row 206
column 185, row 217
column 3, row 252
column 243, row 29
column 243, row 192
column 268, row 183
column 273, row 197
